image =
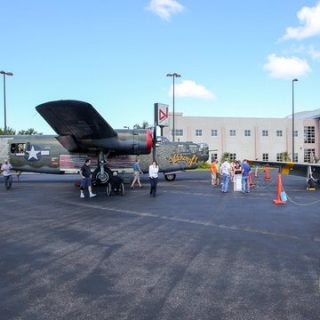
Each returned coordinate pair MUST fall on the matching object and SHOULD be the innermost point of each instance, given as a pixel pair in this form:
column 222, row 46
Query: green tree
column 29, row 132
column 284, row 156
column 225, row 156
column 144, row 125
column 9, row 132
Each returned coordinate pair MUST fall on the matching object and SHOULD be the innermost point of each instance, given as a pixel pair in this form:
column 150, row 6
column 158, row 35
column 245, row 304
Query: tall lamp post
column 293, row 81
column 4, row 98
column 173, row 75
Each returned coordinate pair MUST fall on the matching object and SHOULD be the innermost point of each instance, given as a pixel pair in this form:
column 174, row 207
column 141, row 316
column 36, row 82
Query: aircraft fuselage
column 45, row 154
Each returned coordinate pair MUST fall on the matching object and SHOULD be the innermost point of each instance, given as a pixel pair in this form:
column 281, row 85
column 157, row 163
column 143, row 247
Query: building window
column 309, row 135
column 309, row 155
column 198, row 132
column 214, row 132
column 247, row 133
column 265, row 157
column 295, row 157
column 265, row 133
column 279, row 133
column 232, row 156
column 214, row 156
column 232, row 133
column 295, row 133
column 178, row 132
column 279, row 157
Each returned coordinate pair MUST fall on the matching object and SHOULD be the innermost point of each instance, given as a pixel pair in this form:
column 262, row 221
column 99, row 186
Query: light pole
column 173, row 75
column 293, row 81
column 4, row 98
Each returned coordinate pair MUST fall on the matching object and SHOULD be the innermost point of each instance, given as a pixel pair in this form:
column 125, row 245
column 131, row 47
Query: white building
column 252, row 138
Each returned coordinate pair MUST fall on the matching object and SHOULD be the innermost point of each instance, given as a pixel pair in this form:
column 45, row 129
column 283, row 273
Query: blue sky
column 236, row 58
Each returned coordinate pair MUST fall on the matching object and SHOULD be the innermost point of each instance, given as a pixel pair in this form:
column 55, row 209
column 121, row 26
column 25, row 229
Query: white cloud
column 282, row 67
column 309, row 17
column 315, row 54
column 165, row 8
column 189, row 88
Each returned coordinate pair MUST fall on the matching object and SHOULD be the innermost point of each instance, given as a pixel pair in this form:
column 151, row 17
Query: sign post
column 161, row 119
column 161, row 114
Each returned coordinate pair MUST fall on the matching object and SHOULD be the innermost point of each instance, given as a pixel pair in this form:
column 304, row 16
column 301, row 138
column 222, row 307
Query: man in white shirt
column 153, row 177
column 5, row 168
column 225, row 170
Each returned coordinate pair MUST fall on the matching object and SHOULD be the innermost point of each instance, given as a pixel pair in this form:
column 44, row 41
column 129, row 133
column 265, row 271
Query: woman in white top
column 153, row 177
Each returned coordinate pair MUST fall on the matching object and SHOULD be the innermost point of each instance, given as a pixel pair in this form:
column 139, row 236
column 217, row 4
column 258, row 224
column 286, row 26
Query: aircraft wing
column 75, row 121
column 292, row 168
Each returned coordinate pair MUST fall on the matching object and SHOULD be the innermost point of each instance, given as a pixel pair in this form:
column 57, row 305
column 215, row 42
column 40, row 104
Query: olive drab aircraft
column 81, row 133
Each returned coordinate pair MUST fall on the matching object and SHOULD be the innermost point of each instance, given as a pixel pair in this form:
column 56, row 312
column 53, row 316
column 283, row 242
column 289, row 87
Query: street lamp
column 293, row 81
column 173, row 75
column 4, row 98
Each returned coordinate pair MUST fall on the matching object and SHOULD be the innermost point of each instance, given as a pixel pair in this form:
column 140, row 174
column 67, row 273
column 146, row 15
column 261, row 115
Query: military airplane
column 311, row 171
column 82, row 132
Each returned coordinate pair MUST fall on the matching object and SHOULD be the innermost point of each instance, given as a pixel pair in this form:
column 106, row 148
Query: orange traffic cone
column 267, row 176
column 280, row 192
column 252, row 185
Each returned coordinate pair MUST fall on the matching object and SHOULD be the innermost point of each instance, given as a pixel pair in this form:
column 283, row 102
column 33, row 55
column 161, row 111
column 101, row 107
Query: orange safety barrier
column 267, row 176
column 280, row 192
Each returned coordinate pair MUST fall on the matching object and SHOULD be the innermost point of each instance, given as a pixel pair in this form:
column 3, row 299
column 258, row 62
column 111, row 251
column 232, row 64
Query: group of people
column 221, row 175
column 86, row 177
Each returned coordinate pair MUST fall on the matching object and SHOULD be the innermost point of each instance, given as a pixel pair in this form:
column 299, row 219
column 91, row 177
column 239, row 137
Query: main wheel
column 99, row 178
column 170, row 177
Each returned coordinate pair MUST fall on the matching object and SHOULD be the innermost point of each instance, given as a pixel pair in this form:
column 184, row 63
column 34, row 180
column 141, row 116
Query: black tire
column 311, row 183
column 122, row 191
column 108, row 189
column 98, row 179
column 170, row 177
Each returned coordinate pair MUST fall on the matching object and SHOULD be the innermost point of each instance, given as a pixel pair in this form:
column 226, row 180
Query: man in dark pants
column 85, row 174
column 153, row 177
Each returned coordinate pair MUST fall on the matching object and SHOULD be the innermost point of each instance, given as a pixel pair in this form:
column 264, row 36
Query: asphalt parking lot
column 190, row 253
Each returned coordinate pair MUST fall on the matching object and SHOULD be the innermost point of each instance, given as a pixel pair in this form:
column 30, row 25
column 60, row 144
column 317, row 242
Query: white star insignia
column 33, row 153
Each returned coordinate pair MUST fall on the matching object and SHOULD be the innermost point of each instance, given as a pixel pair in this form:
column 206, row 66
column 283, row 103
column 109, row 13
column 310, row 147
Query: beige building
column 252, row 138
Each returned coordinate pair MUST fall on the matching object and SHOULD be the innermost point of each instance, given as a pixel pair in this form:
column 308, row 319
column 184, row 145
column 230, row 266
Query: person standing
column 214, row 170
column 225, row 173
column 237, row 179
column 136, row 173
column 153, row 177
column 218, row 173
column 5, row 168
column 246, row 170
column 85, row 174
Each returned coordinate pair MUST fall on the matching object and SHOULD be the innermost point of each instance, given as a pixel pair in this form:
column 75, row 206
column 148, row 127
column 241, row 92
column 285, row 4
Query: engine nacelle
column 135, row 141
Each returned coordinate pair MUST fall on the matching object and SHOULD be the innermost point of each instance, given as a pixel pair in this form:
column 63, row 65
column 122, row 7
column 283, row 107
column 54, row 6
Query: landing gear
column 311, row 181
column 311, row 184
column 102, row 173
column 103, row 177
column 170, row 177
